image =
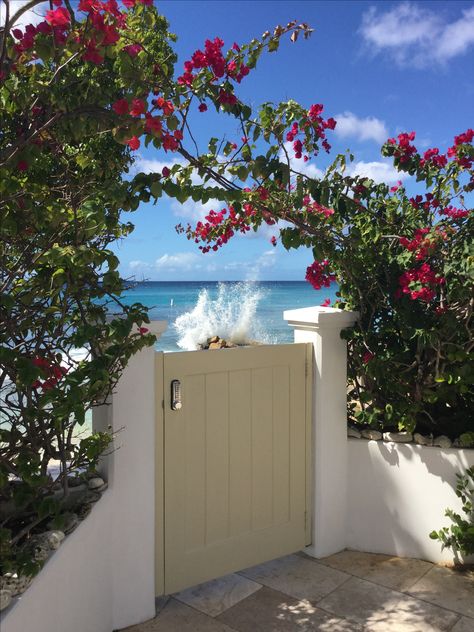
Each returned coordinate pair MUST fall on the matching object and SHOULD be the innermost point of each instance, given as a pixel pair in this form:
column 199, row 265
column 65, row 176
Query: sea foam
column 230, row 315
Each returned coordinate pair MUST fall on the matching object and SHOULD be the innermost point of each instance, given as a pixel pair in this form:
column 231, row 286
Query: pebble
column 353, row 432
column 422, row 439
column 442, row 442
column 5, row 599
column 95, row 483
column 372, row 435
column 398, row 437
column 71, row 523
column 55, row 538
column 15, row 584
column 91, row 497
column 84, row 511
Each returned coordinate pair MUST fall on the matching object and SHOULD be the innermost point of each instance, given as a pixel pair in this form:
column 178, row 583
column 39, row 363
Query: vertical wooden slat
column 262, row 448
column 240, row 455
column 281, row 445
column 194, row 463
column 217, row 457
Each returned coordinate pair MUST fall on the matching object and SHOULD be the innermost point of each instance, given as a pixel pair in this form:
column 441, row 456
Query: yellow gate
column 232, row 460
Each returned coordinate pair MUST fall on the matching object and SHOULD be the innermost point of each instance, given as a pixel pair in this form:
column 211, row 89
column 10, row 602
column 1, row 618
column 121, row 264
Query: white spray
column 231, row 315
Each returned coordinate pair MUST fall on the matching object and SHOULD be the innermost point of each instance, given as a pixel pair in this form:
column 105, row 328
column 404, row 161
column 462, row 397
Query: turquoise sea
column 239, row 311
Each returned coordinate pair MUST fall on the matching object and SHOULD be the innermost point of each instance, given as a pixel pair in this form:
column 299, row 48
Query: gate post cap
column 318, row 317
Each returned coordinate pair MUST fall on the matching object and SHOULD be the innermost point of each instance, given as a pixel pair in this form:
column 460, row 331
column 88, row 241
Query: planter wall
column 398, row 493
column 102, row 578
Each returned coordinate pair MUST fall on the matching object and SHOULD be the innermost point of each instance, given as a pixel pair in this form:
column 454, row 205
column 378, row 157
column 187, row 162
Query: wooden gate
column 232, row 460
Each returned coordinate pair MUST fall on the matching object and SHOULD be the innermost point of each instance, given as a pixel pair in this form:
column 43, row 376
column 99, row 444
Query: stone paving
column 347, row 592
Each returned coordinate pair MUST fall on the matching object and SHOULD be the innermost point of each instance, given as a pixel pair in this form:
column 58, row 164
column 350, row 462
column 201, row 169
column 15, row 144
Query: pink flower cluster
column 420, row 244
column 404, row 149
column 454, row 213
column 319, row 127
column 456, row 151
column 420, row 283
column 311, row 206
column 53, row 372
column 432, row 156
column 318, row 274
column 213, row 59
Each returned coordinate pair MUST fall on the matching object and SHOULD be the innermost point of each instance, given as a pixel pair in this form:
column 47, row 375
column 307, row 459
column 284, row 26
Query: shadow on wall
column 397, row 494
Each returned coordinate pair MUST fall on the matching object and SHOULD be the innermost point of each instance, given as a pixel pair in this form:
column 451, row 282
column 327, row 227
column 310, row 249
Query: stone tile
column 297, row 576
column 394, row 572
column 465, row 624
column 448, row 588
column 218, row 595
column 379, row 609
column 178, row 617
column 270, row 611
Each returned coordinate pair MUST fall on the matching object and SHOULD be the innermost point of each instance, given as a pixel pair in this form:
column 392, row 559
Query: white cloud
column 179, row 261
column 417, row 36
column 147, row 165
column 298, row 164
column 377, row 171
column 369, row 128
column 32, row 16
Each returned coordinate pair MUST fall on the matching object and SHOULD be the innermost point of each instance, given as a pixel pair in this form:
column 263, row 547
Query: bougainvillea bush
column 404, row 261
column 80, row 91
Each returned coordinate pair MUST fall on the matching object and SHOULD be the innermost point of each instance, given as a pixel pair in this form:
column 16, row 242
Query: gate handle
column 176, row 403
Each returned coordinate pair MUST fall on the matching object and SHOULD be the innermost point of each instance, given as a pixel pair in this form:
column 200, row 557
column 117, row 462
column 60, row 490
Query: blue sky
column 379, row 68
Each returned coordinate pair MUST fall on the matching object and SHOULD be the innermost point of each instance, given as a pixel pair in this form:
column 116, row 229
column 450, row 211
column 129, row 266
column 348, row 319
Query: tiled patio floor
column 347, row 592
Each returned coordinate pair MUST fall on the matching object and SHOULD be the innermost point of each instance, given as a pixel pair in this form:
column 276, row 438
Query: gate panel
column 234, row 460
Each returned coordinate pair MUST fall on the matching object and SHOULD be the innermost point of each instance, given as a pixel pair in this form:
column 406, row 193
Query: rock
column 84, row 511
column 231, row 345
column 372, row 435
column 15, row 584
column 55, row 538
column 398, row 437
column 442, row 442
column 75, row 481
column 212, row 340
column 95, row 483
column 70, row 521
column 422, row 440
column 466, row 440
column 353, row 432
column 41, row 551
column 5, row 599
column 91, row 497
column 215, row 345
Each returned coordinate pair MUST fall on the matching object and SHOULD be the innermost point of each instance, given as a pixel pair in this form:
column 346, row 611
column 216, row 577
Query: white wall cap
column 319, row 317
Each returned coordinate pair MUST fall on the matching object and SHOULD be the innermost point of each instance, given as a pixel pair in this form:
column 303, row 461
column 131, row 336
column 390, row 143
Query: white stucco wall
column 102, row 578
column 398, row 493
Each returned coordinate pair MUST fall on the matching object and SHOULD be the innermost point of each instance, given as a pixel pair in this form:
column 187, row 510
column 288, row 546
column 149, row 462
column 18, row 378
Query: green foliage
column 460, row 535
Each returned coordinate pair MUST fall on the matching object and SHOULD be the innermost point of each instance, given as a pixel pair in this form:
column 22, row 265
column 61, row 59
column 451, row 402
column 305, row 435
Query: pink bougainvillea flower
column 273, row 241
column 202, row 107
column 326, row 302
column 134, row 142
column 120, row 106
column 367, row 357
column 166, row 172
column 58, row 17
column 133, row 49
column 22, row 165
column 143, row 330
column 138, row 107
